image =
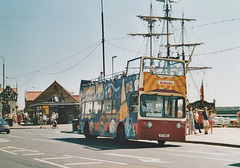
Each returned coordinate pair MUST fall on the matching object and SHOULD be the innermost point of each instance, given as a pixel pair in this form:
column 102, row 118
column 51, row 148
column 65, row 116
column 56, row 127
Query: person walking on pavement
column 44, row 120
column 196, row 120
column 205, row 120
column 191, row 122
column 210, row 120
column 238, row 116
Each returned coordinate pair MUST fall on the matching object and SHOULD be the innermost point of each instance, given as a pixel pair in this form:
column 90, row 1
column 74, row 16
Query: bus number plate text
column 164, row 135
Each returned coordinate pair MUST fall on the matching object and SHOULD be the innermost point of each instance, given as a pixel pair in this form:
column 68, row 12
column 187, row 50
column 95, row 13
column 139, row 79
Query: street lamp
column 112, row 64
column 16, row 82
column 3, row 73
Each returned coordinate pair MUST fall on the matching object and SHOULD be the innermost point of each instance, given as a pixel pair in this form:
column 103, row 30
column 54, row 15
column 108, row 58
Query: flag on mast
column 202, row 93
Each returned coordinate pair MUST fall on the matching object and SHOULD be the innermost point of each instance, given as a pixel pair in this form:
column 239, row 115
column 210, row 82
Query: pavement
column 226, row 136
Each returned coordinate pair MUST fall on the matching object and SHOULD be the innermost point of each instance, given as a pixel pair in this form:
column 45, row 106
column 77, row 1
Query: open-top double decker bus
column 148, row 103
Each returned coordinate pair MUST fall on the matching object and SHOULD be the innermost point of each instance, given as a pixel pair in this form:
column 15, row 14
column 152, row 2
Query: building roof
column 54, row 89
column 76, row 97
column 14, row 89
column 32, row 95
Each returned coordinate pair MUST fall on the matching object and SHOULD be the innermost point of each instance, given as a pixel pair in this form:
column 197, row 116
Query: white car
column 221, row 121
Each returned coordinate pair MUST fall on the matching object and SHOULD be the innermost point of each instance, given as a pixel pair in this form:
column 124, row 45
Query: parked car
column 222, row 121
column 4, row 127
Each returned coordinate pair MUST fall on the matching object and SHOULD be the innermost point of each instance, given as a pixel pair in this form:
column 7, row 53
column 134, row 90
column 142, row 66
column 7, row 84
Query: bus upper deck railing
column 101, row 79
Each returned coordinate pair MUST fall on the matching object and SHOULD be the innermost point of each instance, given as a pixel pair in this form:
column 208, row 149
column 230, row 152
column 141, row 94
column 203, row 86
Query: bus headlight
column 178, row 125
column 149, row 124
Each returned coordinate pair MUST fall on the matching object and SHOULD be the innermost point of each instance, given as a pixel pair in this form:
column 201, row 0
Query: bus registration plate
column 164, row 135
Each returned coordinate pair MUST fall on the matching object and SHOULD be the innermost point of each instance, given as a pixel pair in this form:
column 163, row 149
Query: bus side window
column 83, row 108
column 88, row 108
column 180, row 107
column 107, row 107
column 114, row 104
column 97, row 107
column 134, row 103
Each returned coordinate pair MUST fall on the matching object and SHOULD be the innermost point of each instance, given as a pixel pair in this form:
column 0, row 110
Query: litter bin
column 74, row 124
column 10, row 122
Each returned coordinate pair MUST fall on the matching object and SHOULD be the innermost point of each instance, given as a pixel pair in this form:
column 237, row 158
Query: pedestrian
column 44, row 120
column 101, row 77
column 186, row 120
column 53, row 117
column 238, row 116
column 191, row 122
column 196, row 120
column 124, row 74
column 210, row 120
column 14, row 117
column 152, row 69
column 205, row 120
column 116, row 77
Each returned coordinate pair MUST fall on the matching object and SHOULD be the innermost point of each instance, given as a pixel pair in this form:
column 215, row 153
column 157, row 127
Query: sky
column 47, row 40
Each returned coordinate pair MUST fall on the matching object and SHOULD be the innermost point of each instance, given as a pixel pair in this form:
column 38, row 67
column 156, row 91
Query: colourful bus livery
column 148, row 103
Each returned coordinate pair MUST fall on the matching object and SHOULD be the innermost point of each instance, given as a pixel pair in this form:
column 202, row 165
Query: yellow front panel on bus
column 153, row 82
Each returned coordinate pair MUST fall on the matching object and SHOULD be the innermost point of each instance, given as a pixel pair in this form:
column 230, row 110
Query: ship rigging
column 166, row 20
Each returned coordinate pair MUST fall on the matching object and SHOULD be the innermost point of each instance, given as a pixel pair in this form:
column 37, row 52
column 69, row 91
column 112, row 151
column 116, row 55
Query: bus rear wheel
column 121, row 134
column 161, row 142
column 87, row 132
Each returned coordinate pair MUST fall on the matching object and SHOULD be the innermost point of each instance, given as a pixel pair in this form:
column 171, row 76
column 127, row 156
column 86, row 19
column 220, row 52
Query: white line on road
column 143, row 159
column 24, row 150
column 4, row 140
column 51, row 163
column 107, row 161
column 7, row 151
column 57, row 158
column 75, row 164
column 201, row 157
column 33, row 154
column 16, row 136
column 198, row 152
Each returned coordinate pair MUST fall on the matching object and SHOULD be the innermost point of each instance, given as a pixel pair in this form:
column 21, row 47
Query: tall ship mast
column 167, row 33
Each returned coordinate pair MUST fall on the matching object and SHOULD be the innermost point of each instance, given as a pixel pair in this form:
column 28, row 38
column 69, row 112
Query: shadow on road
column 109, row 144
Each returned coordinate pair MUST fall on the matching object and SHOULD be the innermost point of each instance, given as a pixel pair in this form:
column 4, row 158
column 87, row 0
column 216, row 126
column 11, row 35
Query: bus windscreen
column 162, row 106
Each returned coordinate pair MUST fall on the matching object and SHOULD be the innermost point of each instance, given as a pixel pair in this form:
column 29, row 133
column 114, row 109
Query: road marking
column 75, row 164
column 33, row 154
column 57, row 158
column 14, row 150
column 3, row 149
column 99, row 160
column 4, row 140
column 201, row 157
column 16, row 136
column 198, row 152
column 51, row 163
column 143, row 159
column 23, row 150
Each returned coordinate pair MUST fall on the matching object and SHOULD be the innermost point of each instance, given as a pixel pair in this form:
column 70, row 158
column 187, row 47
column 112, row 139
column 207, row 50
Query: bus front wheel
column 161, row 142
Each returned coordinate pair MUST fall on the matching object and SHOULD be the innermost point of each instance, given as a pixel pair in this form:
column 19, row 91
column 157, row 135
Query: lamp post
column 16, row 82
column 113, row 64
column 103, row 39
column 3, row 73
